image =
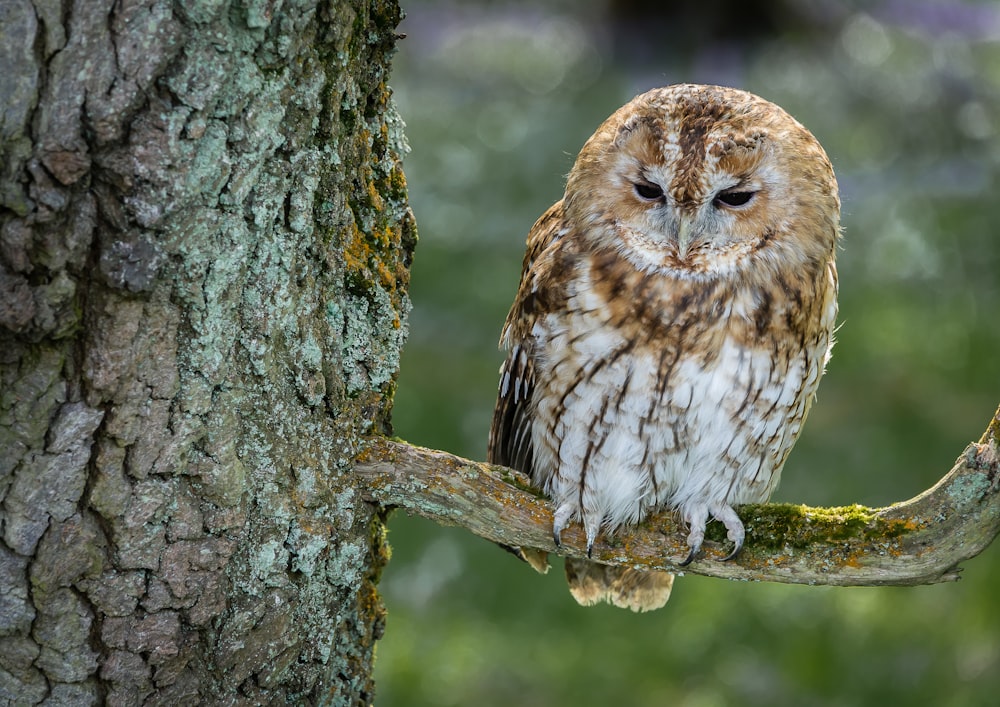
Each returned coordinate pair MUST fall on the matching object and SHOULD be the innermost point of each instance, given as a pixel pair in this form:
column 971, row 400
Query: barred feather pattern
column 675, row 314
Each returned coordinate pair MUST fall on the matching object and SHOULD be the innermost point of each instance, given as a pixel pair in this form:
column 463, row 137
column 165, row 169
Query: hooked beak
column 684, row 237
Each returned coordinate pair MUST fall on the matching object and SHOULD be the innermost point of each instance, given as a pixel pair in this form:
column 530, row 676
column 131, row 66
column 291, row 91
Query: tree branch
column 920, row 541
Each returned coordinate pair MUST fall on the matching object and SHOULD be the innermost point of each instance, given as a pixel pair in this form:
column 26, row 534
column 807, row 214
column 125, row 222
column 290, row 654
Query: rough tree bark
column 203, row 268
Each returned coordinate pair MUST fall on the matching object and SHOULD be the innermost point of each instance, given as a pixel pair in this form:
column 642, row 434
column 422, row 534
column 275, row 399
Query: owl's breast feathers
column 583, row 315
column 756, row 308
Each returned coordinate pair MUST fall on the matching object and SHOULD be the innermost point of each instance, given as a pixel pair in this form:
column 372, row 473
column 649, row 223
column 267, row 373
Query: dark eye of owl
column 733, row 198
column 647, row 191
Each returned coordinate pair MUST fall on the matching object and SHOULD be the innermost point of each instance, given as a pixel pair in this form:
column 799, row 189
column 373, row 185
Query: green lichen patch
column 779, row 525
column 968, row 488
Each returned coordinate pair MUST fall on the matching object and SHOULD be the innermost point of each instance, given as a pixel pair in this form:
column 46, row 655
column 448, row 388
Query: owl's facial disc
column 691, row 227
column 683, row 206
column 696, row 187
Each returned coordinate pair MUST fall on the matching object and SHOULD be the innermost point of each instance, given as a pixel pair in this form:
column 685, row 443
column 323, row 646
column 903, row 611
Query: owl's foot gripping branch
column 919, row 541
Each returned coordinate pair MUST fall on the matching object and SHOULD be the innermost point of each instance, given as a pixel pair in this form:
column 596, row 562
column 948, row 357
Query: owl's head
column 701, row 181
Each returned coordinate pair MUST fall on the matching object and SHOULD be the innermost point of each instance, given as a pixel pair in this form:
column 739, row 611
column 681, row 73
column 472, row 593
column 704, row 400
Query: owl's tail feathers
column 538, row 559
column 638, row 590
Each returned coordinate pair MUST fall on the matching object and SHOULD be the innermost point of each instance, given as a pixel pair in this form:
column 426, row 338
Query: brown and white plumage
column 675, row 313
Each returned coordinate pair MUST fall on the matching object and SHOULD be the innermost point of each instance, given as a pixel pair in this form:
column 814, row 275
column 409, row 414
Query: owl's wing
column 510, row 434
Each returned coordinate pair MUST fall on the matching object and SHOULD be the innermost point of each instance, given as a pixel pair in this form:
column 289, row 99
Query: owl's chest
column 595, row 371
column 671, row 404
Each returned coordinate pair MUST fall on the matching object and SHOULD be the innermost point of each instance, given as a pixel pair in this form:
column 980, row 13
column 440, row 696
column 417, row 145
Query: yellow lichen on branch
column 919, row 541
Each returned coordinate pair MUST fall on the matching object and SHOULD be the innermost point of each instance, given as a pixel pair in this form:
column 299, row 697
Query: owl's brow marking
column 654, row 124
column 696, row 122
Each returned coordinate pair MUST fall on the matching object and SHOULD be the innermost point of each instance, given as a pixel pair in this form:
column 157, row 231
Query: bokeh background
column 905, row 95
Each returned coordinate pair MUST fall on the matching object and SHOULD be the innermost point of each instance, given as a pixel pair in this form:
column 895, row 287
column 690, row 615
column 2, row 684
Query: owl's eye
column 647, row 191
column 733, row 198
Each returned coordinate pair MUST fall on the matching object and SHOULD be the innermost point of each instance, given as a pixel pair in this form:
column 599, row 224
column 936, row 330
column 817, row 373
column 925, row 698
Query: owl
column 675, row 313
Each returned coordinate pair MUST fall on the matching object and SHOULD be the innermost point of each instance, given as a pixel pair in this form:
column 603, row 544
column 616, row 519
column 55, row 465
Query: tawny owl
column 675, row 313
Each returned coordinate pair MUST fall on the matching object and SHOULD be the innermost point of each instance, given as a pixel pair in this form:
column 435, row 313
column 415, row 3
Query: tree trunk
column 203, row 268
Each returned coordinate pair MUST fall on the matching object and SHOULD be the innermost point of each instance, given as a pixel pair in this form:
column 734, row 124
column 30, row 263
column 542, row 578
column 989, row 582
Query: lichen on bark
column 204, row 251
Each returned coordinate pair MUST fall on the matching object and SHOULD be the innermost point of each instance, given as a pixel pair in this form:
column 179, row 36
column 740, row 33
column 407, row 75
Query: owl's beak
column 684, row 237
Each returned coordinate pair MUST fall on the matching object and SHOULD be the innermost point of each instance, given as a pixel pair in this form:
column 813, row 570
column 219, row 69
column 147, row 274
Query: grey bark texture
column 204, row 250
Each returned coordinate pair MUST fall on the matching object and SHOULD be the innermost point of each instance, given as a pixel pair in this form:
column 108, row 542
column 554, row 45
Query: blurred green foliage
column 498, row 98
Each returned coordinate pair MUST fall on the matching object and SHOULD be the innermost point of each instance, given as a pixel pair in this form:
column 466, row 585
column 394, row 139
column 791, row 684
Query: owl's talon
column 690, row 558
column 696, row 519
column 560, row 520
column 736, row 551
column 694, row 542
column 734, row 528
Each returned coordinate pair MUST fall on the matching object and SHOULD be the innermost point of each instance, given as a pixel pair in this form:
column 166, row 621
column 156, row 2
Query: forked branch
column 920, row 541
